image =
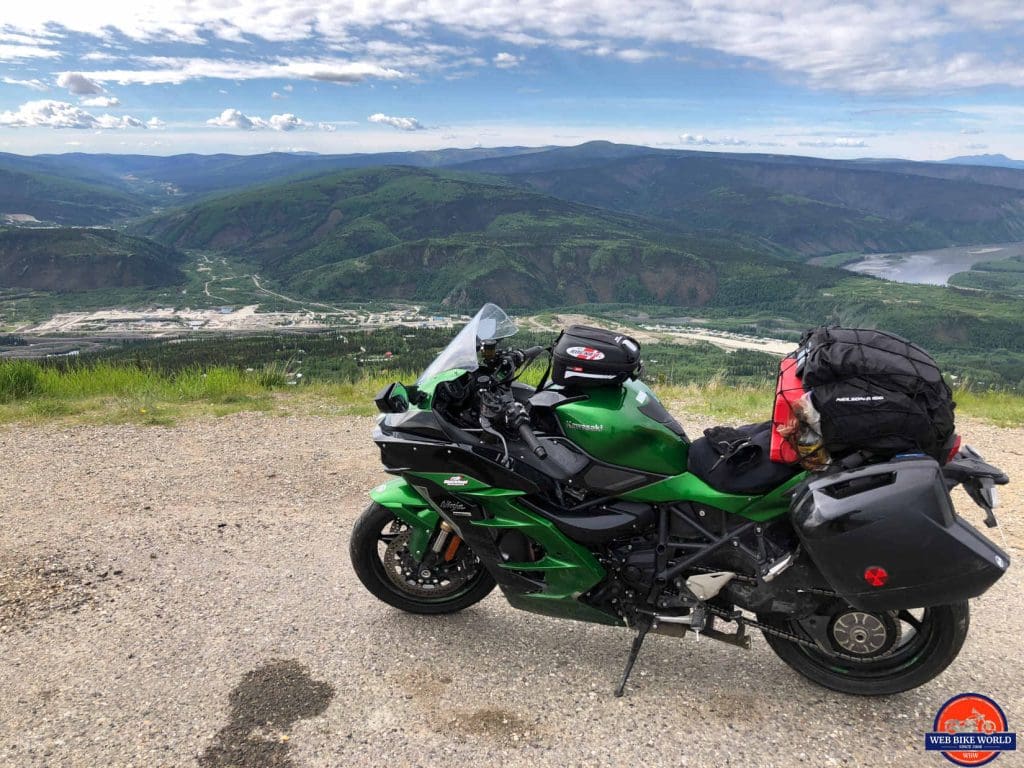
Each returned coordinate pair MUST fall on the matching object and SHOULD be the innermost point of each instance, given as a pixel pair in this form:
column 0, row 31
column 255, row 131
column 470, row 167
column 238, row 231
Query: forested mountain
column 63, row 200
column 76, row 259
column 426, row 235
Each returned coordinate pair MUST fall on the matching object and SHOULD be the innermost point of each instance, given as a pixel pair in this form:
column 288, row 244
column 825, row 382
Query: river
column 931, row 267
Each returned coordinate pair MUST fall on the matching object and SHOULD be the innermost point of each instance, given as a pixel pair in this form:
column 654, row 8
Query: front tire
column 935, row 638
column 376, row 549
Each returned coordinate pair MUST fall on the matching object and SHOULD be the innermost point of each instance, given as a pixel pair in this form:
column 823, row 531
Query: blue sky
column 832, row 79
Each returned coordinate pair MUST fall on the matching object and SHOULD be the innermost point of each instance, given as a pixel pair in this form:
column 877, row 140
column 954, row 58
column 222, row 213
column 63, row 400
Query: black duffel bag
column 876, row 392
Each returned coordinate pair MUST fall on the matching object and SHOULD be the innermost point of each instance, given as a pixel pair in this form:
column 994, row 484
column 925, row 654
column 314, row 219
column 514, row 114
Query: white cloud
column 401, row 123
column 976, row 146
column 700, row 139
column 157, row 70
column 286, row 122
column 98, row 56
column 847, row 44
column 235, row 118
column 833, row 143
column 505, row 60
column 78, row 84
column 101, row 101
column 289, row 87
column 277, row 96
column 636, row 54
column 34, row 84
column 155, row 123
column 60, row 114
column 15, row 52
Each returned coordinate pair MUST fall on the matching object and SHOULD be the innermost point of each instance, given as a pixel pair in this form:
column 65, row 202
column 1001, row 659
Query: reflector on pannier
column 846, row 390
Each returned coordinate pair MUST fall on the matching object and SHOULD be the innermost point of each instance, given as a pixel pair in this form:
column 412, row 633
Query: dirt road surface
column 182, row 596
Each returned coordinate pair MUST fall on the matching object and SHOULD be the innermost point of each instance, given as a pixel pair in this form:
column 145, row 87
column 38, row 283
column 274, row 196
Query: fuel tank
column 625, row 426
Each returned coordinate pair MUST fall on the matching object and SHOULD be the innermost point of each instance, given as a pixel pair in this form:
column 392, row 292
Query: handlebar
column 531, row 441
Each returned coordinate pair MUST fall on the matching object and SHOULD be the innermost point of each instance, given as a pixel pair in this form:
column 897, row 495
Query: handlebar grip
column 532, row 352
column 531, row 441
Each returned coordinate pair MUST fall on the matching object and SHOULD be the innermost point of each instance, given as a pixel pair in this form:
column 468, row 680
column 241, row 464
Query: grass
column 1004, row 409
column 719, row 401
column 110, row 393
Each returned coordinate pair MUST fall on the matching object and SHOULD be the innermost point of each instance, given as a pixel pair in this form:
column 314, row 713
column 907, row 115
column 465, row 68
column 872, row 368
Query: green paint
column 689, row 487
column 773, row 504
column 569, row 568
column 409, row 507
column 609, row 426
column 427, row 387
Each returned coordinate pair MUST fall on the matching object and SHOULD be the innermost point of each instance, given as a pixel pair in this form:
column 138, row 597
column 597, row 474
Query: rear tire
column 365, row 551
column 936, row 641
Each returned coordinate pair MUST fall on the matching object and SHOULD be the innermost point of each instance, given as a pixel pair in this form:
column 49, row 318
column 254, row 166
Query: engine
column 754, row 558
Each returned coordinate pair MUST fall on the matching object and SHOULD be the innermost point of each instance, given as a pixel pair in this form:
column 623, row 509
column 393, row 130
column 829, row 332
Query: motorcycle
column 587, row 500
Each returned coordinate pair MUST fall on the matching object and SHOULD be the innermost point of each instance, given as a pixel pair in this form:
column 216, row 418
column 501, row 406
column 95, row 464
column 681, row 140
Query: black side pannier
column 876, row 392
column 592, row 357
column 855, row 525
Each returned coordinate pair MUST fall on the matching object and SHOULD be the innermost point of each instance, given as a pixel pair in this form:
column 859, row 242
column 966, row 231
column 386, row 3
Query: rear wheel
column 382, row 561
column 882, row 653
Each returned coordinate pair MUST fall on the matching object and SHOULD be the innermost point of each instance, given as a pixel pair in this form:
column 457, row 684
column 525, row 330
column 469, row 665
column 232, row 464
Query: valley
column 751, row 244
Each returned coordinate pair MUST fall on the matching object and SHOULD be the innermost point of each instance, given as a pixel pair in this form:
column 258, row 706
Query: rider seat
column 742, row 465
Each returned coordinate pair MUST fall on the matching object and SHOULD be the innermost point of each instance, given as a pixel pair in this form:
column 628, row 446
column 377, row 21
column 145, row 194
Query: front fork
column 443, row 548
column 409, row 507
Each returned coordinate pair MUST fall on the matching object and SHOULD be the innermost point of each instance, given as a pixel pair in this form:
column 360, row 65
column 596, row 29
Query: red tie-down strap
column 788, row 390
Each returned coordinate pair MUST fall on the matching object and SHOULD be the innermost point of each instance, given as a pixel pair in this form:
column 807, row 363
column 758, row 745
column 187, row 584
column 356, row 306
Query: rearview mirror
column 394, row 398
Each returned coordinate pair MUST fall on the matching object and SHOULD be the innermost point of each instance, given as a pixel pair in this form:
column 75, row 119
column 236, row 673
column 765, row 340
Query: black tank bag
column 594, row 357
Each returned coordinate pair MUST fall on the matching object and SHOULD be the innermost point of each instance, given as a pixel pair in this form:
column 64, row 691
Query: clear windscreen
column 490, row 322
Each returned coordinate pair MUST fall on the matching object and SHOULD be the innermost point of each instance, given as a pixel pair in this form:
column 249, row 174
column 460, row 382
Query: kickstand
column 633, row 653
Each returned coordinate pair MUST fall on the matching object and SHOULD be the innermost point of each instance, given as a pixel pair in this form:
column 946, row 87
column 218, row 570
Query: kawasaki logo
column 456, row 480
column 585, row 427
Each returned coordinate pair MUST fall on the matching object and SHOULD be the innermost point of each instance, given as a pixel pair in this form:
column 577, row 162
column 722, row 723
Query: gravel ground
column 182, row 596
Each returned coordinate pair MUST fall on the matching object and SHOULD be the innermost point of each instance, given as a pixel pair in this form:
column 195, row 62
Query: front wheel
column 883, row 653
column 382, row 561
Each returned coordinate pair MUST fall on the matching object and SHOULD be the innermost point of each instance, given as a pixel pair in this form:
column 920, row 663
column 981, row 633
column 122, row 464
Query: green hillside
column 76, row 259
column 413, row 234
column 1004, row 275
column 61, row 200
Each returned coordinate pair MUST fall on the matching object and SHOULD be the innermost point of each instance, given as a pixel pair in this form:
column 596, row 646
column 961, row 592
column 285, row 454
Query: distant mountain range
column 994, row 161
column 794, row 206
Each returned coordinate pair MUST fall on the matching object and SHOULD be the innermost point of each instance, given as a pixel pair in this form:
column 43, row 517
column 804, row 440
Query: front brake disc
column 407, row 575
